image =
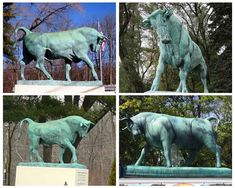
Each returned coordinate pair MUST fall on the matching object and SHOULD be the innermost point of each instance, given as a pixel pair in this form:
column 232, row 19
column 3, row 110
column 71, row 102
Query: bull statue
column 62, row 132
column 176, row 49
column 162, row 131
column 71, row 45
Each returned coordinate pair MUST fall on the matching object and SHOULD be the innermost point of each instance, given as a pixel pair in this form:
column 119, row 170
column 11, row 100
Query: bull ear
column 87, row 124
column 92, row 124
column 167, row 13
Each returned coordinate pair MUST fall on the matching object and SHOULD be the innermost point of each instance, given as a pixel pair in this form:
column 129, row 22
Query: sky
column 90, row 12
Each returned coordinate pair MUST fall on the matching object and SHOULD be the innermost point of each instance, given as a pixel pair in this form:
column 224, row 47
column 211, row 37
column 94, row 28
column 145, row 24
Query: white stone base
column 31, row 175
column 71, row 90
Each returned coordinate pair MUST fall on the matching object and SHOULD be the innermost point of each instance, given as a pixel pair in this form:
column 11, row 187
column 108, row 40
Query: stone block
column 58, row 87
column 51, row 174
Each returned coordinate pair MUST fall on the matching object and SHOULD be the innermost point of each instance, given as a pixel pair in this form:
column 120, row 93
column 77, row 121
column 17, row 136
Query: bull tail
column 25, row 30
column 21, row 123
column 217, row 122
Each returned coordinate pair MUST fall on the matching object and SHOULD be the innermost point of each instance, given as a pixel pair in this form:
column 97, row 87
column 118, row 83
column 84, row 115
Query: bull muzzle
column 166, row 39
column 83, row 135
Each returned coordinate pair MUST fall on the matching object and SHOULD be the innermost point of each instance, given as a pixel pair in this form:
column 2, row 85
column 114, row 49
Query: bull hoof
column 185, row 91
column 178, row 90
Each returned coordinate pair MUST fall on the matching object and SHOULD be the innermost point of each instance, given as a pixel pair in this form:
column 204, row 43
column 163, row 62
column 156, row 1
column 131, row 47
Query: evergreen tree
column 220, row 32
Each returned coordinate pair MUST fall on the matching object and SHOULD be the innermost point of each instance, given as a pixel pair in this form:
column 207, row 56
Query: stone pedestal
column 51, row 174
column 176, row 172
column 58, row 87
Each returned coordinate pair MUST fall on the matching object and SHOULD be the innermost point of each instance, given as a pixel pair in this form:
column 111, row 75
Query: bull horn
column 92, row 123
column 124, row 128
column 123, row 119
column 167, row 13
column 146, row 23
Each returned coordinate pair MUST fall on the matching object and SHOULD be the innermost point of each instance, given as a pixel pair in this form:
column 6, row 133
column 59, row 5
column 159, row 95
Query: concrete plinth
column 51, row 175
column 58, row 87
column 176, row 172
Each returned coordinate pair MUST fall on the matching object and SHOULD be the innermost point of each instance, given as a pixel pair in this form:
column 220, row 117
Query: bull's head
column 133, row 127
column 158, row 20
column 84, row 127
column 98, row 43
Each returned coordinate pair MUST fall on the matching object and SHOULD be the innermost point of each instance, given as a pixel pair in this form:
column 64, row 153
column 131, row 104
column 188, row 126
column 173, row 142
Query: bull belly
column 52, row 141
column 59, row 55
column 154, row 143
column 187, row 144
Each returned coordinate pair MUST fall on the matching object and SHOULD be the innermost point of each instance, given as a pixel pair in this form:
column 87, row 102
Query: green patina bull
column 162, row 131
column 71, row 45
column 62, row 132
column 176, row 48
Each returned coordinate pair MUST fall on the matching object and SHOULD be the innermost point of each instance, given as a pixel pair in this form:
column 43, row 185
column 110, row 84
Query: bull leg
column 36, row 153
column 73, row 150
column 68, row 68
column 203, row 73
column 167, row 152
column 183, row 76
column 211, row 144
column 218, row 156
column 142, row 155
column 179, row 87
column 22, row 66
column 40, row 66
column 62, row 150
column 89, row 63
column 166, row 136
column 156, row 82
column 35, row 148
column 30, row 153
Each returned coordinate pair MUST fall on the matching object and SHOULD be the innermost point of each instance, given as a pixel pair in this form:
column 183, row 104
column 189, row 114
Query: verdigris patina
column 162, row 131
column 176, row 48
column 62, row 132
column 176, row 172
column 71, row 45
